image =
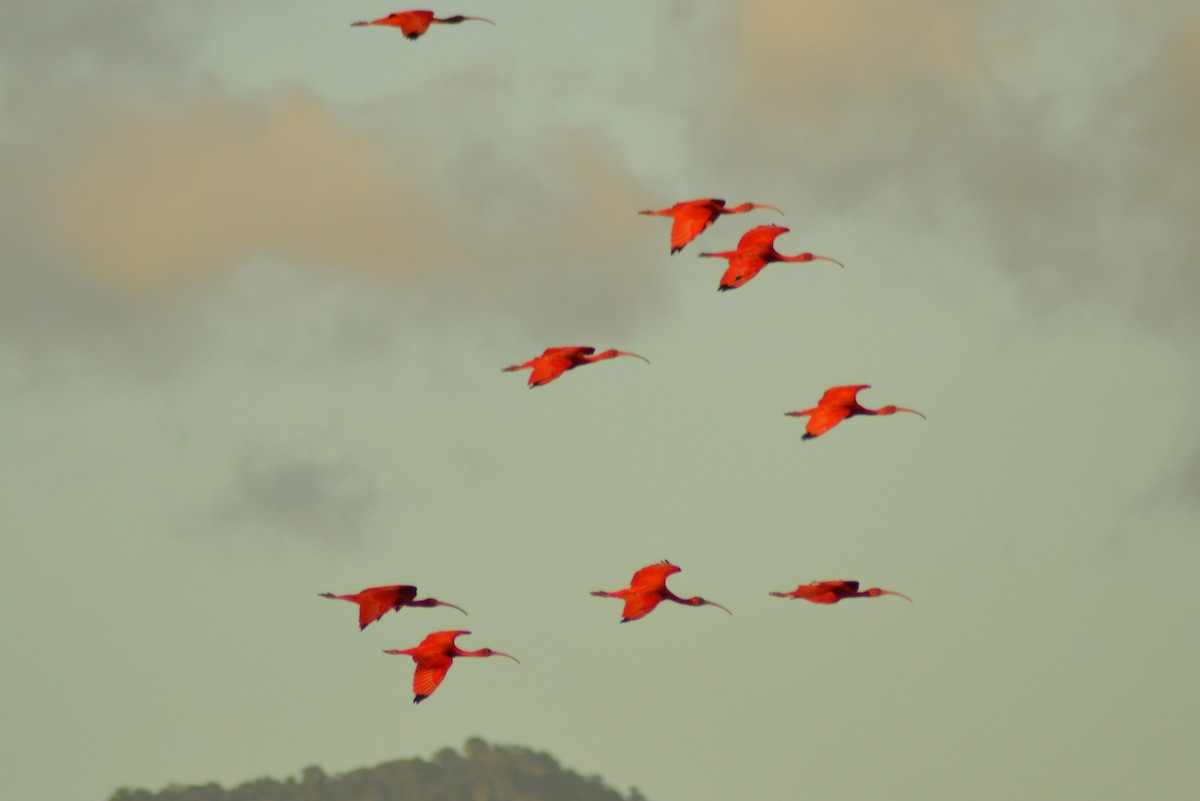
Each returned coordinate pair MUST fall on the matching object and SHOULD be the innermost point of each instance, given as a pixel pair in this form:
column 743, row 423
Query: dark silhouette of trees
column 482, row 772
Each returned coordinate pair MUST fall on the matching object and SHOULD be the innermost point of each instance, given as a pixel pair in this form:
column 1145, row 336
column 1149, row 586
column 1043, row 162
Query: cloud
column 322, row 502
column 1075, row 159
column 141, row 198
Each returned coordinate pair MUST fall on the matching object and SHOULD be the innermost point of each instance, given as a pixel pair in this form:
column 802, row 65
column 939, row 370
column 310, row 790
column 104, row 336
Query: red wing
column 741, row 269
column 842, row 396
column 841, row 588
column 443, row 640
column 825, row 418
column 430, row 672
column 548, row 368
column 640, row 604
column 573, row 350
column 652, row 577
column 375, row 602
column 689, row 225
column 760, row 238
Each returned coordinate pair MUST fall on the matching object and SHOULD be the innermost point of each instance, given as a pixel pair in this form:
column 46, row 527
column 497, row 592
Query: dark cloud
column 322, row 502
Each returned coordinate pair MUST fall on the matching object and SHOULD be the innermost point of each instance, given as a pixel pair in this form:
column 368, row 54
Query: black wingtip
column 419, row 698
column 807, row 435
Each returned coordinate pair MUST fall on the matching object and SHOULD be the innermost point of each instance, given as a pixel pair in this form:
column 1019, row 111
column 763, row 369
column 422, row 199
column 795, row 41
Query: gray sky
column 259, row 273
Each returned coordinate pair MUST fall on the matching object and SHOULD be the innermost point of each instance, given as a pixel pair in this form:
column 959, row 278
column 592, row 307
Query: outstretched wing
column 652, row 577
column 639, row 604
column 824, row 418
column 842, row 396
column 742, row 267
column 375, row 602
column 431, row 669
column 689, row 223
column 568, row 352
column 761, row 237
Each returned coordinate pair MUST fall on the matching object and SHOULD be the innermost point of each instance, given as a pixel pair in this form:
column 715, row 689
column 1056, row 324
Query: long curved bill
column 510, row 656
column 766, row 206
column 481, row 19
column 452, row 606
column 913, row 411
column 826, row 258
column 627, row 353
column 902, row 595
column 714, row 603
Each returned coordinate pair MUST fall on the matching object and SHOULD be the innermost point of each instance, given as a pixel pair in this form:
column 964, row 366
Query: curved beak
column 826, row 258
column 452, row 606
column 902, row 595
column 481, row 19
column 765, row 206
column 626, row 353
column 510, row 656
column 714, row 603
column 912, row 411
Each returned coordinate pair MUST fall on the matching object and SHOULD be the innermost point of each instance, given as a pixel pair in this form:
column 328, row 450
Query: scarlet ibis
column 755, row 250
column 555, row 361
column 434, row 656
column 830, row 592
column 375, row 602
column 649, row 588
column 415, row 23
column 836, row 405
column 693, row 216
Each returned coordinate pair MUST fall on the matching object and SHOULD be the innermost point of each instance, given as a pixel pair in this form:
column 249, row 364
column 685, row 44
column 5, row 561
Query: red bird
column 836, row 405
column 434, row 656
column 648, row 589
column 375, row 602
column 415, row 23
column 693, row 216
column 755, row 250
column 830, row 592
column 555, row 361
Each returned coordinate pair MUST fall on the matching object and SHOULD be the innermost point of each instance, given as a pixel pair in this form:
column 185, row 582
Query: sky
column 259, row 274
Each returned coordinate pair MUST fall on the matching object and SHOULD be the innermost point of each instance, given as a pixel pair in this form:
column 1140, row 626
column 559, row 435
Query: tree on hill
column 482, row 772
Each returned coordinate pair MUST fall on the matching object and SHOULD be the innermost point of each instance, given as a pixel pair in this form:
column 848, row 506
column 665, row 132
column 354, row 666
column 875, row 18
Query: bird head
column 436, row 602
column 698, row 601
column 612, row 353
column 875, row 592
column 894, row 409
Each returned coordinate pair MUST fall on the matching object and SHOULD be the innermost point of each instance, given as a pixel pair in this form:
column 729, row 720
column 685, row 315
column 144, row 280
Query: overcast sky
column 260, row 271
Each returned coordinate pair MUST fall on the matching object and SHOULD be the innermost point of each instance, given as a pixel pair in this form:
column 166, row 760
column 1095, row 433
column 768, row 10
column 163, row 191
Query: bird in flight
column 375, row 602
column 434, row 656
column 755, row 250
column 830, row 592
column 555, row 361
column 648, row 589
column 691, row 217
column 837, row 404
column 414, row 23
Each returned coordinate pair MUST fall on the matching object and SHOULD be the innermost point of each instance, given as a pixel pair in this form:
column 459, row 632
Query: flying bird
column 836, row 405
column 648, row 589
column 415, row 23
column 375, row 602
column 434, row 656
column 691, row 217
column 555, row 361
column 830, row 592
column 755, row 250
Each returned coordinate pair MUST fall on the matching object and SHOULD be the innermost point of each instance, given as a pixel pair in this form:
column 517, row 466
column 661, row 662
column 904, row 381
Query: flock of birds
column 648, row 587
